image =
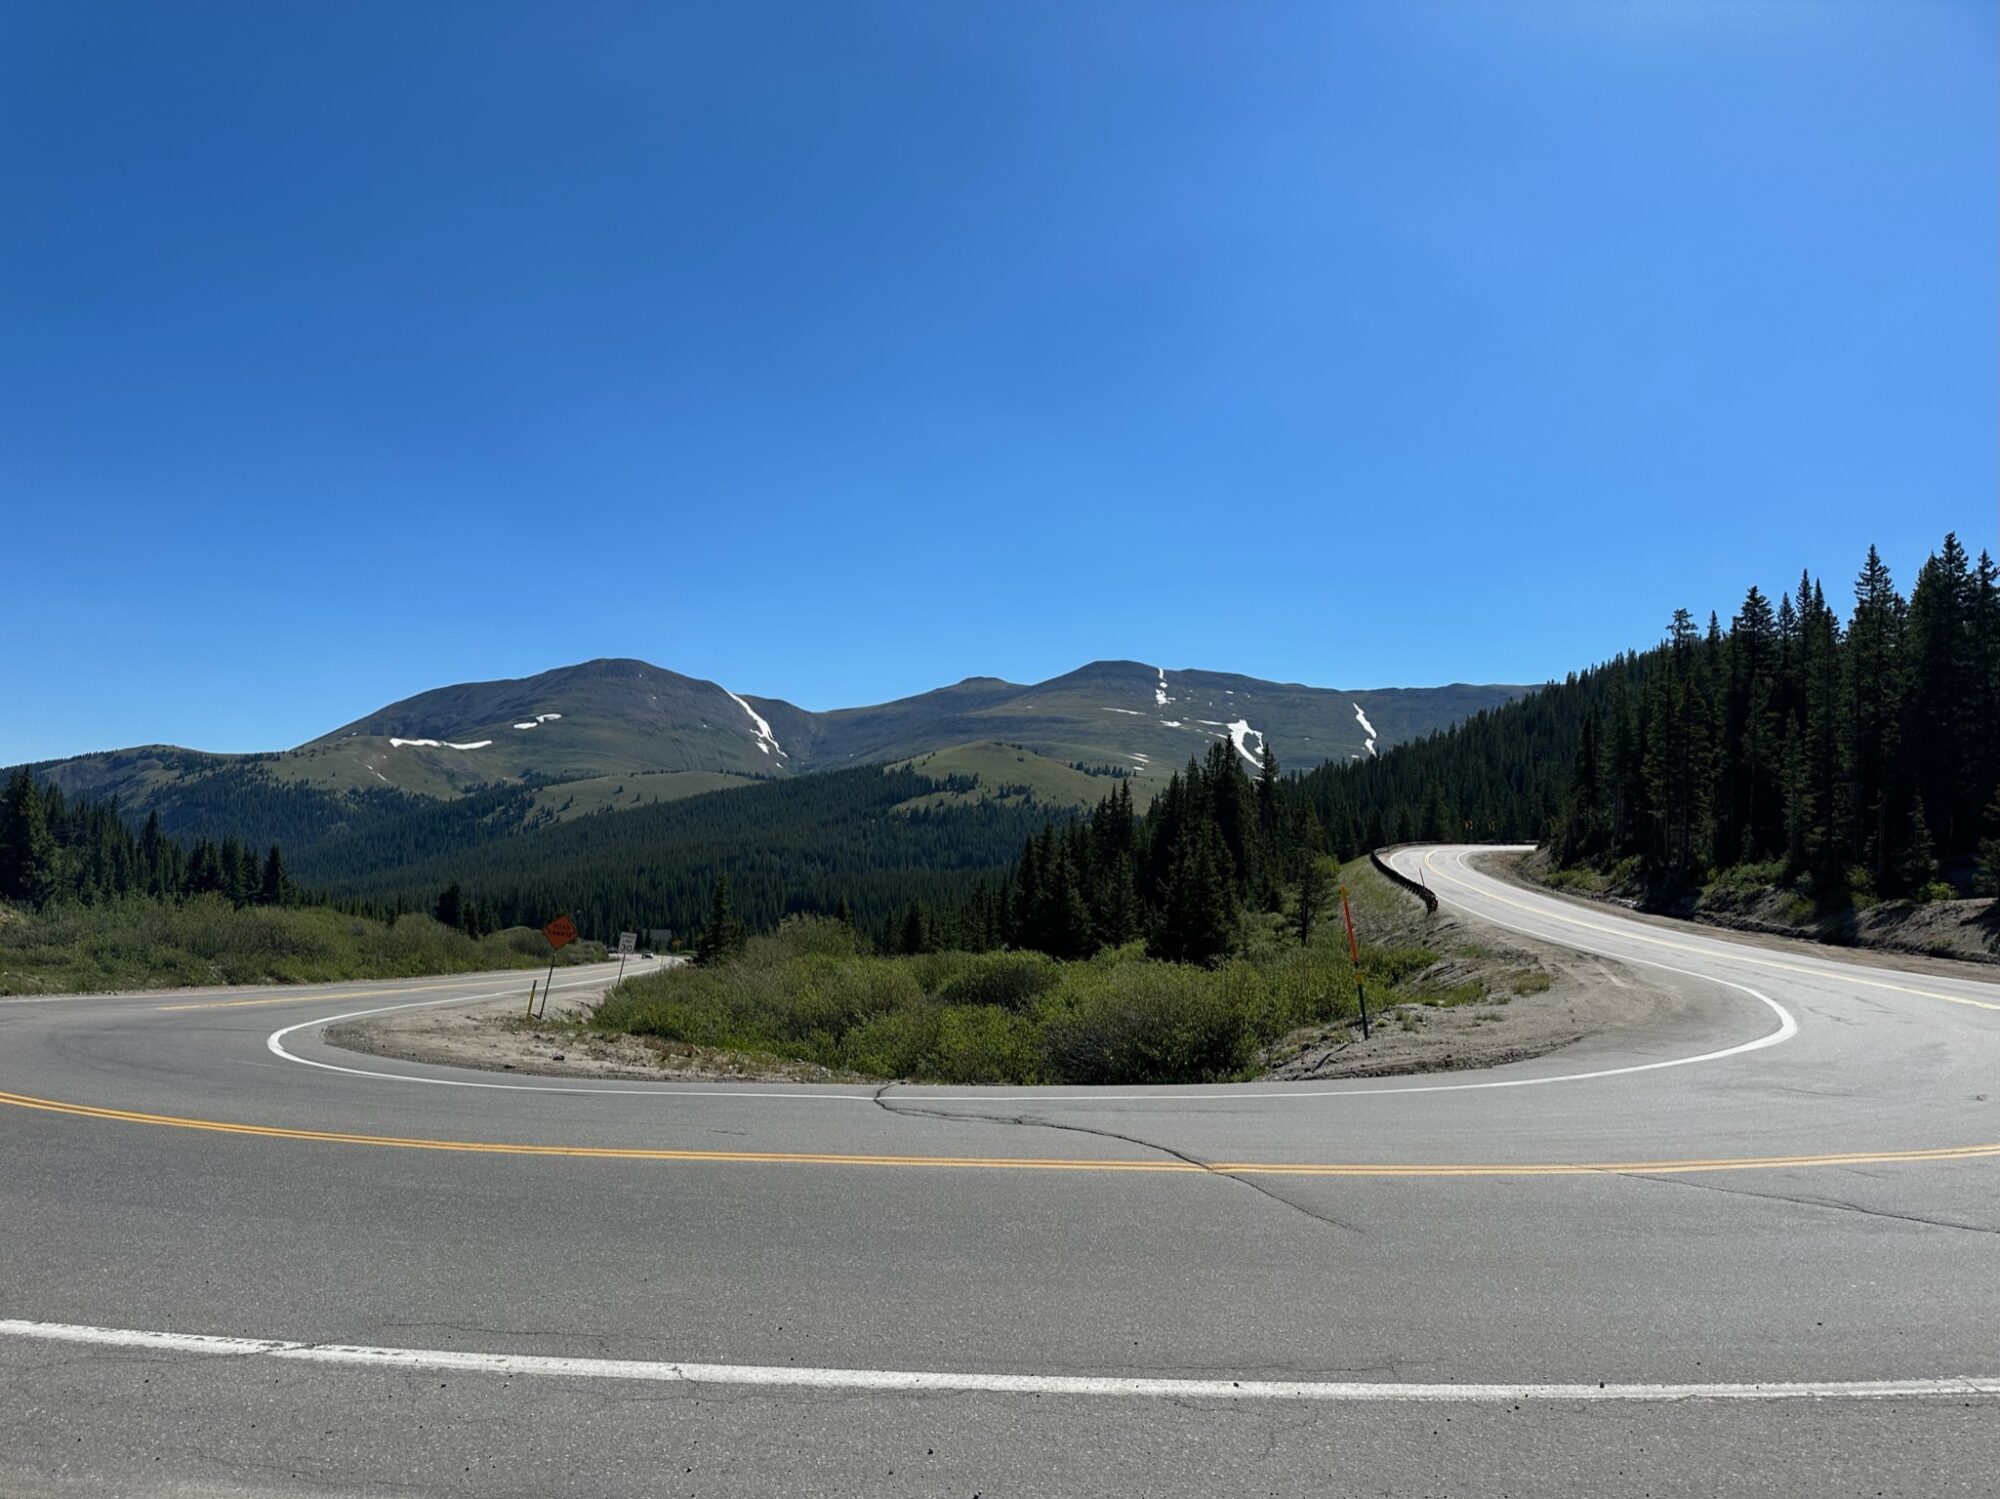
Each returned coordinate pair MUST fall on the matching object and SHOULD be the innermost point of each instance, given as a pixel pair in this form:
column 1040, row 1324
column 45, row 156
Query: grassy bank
column 808, row 992
column 148, row 944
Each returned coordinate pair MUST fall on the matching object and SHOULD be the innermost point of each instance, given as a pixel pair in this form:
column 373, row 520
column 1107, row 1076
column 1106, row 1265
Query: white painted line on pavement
column 897, row 1381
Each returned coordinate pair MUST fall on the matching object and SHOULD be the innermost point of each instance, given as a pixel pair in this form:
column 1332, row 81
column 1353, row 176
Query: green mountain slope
column 620, row 735
column 599, row 718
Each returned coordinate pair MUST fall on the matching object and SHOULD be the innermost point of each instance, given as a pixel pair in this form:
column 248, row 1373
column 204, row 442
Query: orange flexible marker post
column 1354, row 951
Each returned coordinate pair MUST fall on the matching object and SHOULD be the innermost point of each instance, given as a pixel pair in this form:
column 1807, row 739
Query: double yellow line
column 1003, row 1163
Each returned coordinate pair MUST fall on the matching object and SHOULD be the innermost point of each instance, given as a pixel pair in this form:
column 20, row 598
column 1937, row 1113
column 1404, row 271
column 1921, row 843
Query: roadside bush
column 802, row 937
column 985, row 1044
column 140, row 943
column 1749, row 879
column 896, row 1043
column 1144, row 1023
column 1010, row 980
column 828, row 994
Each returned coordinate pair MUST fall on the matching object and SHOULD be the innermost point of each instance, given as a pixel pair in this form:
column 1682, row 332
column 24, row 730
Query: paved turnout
column 1755, row 1248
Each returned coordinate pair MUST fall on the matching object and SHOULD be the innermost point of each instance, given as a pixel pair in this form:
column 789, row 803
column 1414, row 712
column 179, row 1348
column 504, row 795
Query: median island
column 807, row 1003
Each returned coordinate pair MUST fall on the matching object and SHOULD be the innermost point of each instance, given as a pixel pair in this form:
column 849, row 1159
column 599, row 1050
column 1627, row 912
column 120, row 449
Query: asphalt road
column 1752, row 1250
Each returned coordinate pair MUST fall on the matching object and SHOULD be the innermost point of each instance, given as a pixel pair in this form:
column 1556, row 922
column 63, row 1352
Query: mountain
column 619, row 734
column 613, row 717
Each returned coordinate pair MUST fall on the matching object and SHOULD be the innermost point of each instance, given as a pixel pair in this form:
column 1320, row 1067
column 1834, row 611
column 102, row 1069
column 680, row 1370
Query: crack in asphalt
column 1030, row 1121
column 1832, row 1204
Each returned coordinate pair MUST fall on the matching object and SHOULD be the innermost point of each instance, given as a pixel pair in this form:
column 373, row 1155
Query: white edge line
column 898, row 1380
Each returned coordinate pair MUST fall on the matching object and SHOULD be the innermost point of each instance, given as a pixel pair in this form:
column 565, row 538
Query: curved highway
column 1751, row 1247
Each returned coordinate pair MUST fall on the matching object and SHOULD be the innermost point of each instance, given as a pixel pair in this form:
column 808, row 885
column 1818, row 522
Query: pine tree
column 1119, row 917
column 27, row 851
column 1918, row 868
column 1267, row 797
column 1748, row 828
column 1942, row 652
column 153, row 873
column 275, row 889
column 1875, row 706
column 724, row 937
column 1197, row 921
column 1065, row 925
column 1314, row 897
column 450, row 907
column 915, row 931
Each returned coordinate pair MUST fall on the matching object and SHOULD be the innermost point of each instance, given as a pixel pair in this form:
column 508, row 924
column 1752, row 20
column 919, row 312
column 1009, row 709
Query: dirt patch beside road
column 1493, row 997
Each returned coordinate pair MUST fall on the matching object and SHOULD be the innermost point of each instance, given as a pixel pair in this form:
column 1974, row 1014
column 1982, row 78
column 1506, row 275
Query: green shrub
column 1011, row 980
column 141, row 943
column 894, row 1043
column 1748, row 879
column 803, row 937
column 971, row 1018
column 1144, row 1023
column 985, row 1044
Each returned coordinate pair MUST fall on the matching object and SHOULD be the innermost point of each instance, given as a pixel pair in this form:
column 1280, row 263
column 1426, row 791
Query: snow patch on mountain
column 1366, row 728
column 1160, row 692
column 1240, row 731
column 439, row 744
column 537, row 721
column 764, row 740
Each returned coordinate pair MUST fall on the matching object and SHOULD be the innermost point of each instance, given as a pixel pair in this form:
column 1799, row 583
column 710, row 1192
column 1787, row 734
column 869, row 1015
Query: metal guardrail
column 1421, row 892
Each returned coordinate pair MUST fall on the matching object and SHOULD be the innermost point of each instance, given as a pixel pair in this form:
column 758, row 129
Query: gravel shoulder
column 1536, row 998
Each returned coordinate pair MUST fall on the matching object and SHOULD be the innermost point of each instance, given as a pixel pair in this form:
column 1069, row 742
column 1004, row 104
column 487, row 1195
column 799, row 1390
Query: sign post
column 628, row 942
column 560, row 932
column 1354, row 951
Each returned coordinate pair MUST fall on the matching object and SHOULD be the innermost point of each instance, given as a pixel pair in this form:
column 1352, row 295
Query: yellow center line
column 1007, row 1163
column 1747, row 955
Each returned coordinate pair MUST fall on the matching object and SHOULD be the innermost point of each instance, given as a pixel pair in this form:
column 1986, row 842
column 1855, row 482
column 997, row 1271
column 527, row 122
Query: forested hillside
column 1858, row 755
column 812, row 843
column 56, row 849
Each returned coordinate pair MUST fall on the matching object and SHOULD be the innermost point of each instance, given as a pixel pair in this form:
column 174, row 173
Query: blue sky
column 839, row 351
